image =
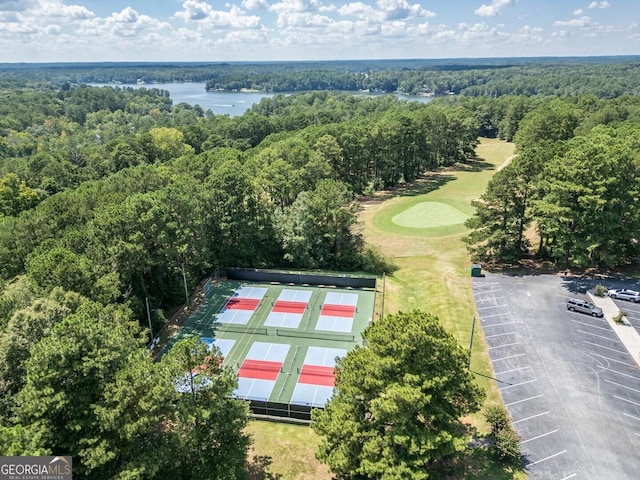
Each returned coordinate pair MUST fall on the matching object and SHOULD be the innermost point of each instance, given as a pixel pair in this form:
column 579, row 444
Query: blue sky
column 257, row 30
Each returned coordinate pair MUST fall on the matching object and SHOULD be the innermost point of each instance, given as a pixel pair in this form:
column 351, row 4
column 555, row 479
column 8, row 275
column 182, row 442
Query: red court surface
column 243, row 303
column 315, row 375
column 260, row 369
column 286, row 306
column 338, row 310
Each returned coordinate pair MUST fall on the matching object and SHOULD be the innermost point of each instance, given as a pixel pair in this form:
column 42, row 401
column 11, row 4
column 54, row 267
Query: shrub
column 497, row 418
column 600, row 291
column 620, row 316
column 506, row 442
column 507, row 446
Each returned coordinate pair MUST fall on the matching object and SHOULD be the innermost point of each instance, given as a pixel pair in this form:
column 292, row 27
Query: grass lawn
column 433, row 275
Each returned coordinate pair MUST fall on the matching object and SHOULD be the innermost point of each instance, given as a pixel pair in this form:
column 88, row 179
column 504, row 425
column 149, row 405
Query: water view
column 222, row 103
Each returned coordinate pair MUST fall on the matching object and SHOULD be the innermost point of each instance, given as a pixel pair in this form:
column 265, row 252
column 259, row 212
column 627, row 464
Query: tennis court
column 282, row 340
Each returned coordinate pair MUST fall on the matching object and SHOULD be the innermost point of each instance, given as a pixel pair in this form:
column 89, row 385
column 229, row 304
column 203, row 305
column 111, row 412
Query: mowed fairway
column 420, row 230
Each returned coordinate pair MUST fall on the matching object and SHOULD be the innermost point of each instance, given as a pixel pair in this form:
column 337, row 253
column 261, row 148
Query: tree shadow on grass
column 478, row 463
column 476, row 164
column 257, row 469
column 423, row 185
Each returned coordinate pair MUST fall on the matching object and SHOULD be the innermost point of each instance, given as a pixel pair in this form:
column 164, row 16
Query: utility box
column 476, row 270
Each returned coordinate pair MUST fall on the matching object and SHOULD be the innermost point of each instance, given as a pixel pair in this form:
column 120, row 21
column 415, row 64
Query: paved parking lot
column 571, row 388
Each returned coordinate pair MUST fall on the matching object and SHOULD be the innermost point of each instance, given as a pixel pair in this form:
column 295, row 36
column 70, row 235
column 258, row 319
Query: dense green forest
column 106, row 194
column 573, row 188
column 605, row 77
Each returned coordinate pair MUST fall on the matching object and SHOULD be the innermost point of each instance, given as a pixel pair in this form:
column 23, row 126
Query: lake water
column 221, row 103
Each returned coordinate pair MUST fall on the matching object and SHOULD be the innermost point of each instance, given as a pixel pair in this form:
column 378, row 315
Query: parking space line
column 620, row 373
column 621, row 385
column 547, row 458
column 539, row 436
column 508, row 357
column 532, row 416
column 626, row 400
column 518, row 384
column 592, row 326
column 523, row 400
column 600, row 336
column 607, row 348
column 498, row 324
column 608, row 358
column 500, row 334
column 488, row 284
column 513, row 370
column 505, row 345
column 632, row 416
column 492, row 298
column 491, row 306
column 494, row 315
column 631, row 310
column 570, row 476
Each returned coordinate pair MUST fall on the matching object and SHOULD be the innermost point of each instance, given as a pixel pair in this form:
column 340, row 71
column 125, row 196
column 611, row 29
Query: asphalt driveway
column 571, row 388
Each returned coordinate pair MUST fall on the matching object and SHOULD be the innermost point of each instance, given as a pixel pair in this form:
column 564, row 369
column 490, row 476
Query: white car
column 624, row 294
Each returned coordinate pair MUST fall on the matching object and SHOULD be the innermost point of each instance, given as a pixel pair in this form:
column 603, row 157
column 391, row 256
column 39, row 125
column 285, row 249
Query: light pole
column 146, row 299
column 184, row 279
column 473, row 326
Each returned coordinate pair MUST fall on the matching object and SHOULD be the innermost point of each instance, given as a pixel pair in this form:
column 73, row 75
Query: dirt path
column 506, row 162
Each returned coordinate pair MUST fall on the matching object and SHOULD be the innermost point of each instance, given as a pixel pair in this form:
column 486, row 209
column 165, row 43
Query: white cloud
column 303, row 19
column 194, row 10
column 400, row 9
column 255, row 4
column 494, row 8
column 286, row 6
column 357, row 9
column 57, row 9
column 208, row 18
column 127, row 23
column 574, row 22
column 604, row 4
column 578, row 12
column 16, row 5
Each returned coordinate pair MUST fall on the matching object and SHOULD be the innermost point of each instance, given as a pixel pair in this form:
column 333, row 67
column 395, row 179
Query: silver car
column 582, row 306
column 624, row 294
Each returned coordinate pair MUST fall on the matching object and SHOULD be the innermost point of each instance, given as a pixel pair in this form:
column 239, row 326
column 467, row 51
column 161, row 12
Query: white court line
column 570, row 476
column 609, row 358
column 591, row 326
column 523, row 400
column 500, row 334
column 547, row 458
column 626, row 400
column 518, row 384
column 498, row 324
column 510, row 356
column 505, row 345
column 539, row 436
column 623, row 386
column 607, row 348
column 513, row 370
column 600, row 336
column 492, row 306
column 532, row 416
column 620, row 373
column 629, row 415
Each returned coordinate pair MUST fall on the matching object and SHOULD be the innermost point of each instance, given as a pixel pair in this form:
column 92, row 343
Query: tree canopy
column 398, row 401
